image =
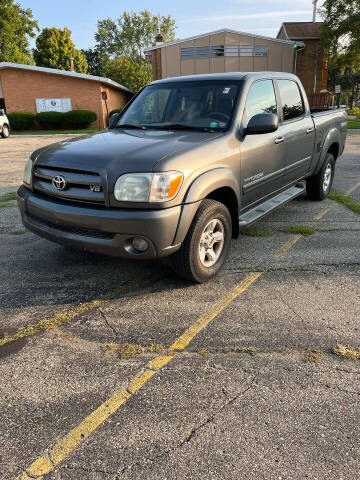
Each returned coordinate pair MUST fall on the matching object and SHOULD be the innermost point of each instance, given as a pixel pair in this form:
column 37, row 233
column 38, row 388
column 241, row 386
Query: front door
column 262, row 155
column 299, row 131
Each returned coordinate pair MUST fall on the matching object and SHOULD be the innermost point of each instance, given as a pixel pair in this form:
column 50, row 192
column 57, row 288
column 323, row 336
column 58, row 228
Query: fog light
column 140, row 244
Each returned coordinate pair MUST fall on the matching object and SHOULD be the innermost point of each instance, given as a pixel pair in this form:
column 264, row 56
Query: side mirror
column 263, row 123
column 2, row 112
column 114, row 119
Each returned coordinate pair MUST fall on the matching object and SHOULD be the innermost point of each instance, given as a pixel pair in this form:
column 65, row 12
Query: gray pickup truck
column 188, row 163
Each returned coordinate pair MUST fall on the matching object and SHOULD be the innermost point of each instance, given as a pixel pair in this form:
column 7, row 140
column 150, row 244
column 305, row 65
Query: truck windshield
column 205, row 105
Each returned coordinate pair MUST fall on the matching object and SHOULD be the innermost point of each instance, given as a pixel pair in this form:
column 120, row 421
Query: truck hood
column 120, row 151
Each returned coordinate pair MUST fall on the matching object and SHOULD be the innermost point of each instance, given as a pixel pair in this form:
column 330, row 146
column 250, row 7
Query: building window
column 246, row 50
column 224, row 50
column 202, row 52
column 217, row 51
column 231, row 50
column 261, row 51
column 187, row 52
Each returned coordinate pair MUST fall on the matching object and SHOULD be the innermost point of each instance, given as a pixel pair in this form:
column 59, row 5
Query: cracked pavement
column 241, row 402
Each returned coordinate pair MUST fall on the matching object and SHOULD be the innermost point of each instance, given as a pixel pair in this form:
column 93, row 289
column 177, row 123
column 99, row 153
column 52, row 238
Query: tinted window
column 291, row 100
column 261, row 99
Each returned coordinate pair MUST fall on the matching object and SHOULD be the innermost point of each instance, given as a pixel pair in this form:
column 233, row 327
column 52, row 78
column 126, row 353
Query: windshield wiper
column 180, row 126
column 131, row 125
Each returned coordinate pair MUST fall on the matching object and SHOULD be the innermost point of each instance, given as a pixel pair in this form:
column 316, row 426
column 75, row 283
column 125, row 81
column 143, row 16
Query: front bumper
column 100, row 229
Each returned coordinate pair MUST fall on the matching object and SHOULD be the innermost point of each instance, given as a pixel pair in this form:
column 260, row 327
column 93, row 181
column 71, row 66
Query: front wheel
column 5, row 131
column 206, row 245
column 318, row 186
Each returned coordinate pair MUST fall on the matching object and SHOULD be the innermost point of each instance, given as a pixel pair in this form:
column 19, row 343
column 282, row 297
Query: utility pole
column 314, row 10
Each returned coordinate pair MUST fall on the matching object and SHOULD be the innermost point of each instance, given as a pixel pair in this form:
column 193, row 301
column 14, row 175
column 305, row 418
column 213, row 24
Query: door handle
column 279, row 140
column 309, row 130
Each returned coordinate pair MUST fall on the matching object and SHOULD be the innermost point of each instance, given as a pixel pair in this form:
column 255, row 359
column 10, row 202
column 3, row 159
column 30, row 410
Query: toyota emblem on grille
column 59, row 182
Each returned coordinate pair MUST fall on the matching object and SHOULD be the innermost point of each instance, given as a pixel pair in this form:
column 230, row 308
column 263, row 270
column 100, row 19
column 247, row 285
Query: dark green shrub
column 49, row 120
column 80, row 118
column 21, row 120
column 117, row 110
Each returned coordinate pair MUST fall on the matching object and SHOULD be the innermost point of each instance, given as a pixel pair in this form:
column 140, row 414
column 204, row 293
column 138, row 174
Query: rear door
column 262, row 155
column 298, row 130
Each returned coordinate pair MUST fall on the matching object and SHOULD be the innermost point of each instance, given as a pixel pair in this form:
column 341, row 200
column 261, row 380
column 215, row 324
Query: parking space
column 114, row 369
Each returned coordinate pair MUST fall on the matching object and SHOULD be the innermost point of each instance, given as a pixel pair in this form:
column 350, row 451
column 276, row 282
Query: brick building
column 37, row 89
column 311, row 66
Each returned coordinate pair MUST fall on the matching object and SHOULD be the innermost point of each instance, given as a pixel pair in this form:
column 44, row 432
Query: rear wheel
column 206, row 245
column 319, row 186
column 5, row 131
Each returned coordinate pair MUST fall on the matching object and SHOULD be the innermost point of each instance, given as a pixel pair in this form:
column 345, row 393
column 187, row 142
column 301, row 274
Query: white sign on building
column 53, row 105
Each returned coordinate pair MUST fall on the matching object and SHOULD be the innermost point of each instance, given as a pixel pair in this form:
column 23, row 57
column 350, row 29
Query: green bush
column 21, row 120
column 117, row 110
column 353, row 111
column 49, row 120
column 80, row 118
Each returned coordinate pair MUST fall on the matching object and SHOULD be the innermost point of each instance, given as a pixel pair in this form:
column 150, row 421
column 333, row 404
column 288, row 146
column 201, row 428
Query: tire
column 318, row 187
column 5, row 131
column 202, row 245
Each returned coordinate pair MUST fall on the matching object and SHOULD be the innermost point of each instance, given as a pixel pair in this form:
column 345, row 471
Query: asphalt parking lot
column 118, row 370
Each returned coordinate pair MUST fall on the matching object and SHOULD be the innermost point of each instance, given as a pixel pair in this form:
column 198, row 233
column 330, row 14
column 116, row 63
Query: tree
column 16, row 26
column 130, row 73
column 130, row 34
column 95, row 60
column 54, row 49
column 341, row 28
column 341, row 38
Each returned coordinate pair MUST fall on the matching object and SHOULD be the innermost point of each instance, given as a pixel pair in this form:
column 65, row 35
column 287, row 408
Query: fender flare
column 199, row 189
column 333, row 136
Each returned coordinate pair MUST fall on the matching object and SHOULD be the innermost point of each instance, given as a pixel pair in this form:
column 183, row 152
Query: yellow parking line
column 287, row 246
column 320, row 215
column 79, row 434
column 69, row 314
column 184, row 340
column 352, row 189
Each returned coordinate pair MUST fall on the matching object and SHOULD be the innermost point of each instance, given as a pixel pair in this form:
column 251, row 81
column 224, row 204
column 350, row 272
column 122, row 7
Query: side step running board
column 261, row 210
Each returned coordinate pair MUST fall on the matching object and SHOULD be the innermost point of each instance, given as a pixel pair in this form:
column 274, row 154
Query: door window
column 261, row 99
column 291, row 101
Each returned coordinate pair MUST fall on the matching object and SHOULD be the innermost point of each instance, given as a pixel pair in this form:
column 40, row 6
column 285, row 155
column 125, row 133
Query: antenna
column 314, row 10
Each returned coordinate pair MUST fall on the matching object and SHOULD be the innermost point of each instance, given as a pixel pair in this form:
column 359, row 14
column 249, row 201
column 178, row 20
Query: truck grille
column 79, row 185
column 86, row 232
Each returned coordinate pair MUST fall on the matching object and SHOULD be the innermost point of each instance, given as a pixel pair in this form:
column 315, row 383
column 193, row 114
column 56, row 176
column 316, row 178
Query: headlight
column 27, row 171
column 147, row 187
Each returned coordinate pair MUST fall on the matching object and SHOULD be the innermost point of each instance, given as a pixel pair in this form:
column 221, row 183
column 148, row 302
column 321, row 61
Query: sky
column 262, row 17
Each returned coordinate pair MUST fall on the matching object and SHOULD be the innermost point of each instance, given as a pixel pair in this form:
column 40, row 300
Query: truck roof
column 228, row 76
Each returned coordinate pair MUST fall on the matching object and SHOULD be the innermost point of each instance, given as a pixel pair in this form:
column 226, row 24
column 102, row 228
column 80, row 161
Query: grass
column 66, row 316
column 17, row 232
column 7, row 205
column 8, row 197
column 251, row 232
column 298, row 230
column 130, row 350
column 345, row 200
column 346, row 352
column 312, row 355
column 354, row 123
column 54, row 132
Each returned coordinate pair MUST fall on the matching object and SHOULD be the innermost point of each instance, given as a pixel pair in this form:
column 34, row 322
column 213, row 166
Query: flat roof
column 54, row 71
column 215, row 32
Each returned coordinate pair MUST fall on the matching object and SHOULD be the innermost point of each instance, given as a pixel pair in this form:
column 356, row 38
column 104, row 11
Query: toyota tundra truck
column 187, row 164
